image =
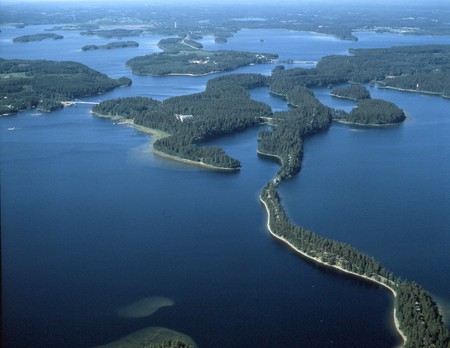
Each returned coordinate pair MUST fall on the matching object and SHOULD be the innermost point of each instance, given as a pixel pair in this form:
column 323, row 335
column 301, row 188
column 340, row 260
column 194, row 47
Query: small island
column 353, row 92
column 42, row 84
column 373, row 112
column 37, row 37
column 111, row 45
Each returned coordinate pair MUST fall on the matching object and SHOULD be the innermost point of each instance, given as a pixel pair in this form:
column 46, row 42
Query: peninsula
column 224, row 107
column 353, row 92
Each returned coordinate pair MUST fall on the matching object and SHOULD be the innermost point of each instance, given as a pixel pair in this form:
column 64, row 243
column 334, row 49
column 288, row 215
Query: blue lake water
column 92, row 220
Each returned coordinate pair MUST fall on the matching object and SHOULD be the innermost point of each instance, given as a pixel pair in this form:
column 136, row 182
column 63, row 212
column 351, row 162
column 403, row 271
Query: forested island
column 111, row 45
column 110, row 33
column 43, row 84
column 373, row 112
column 177, row 45
column 37, row 37
column 186, row 58
column 353, row 92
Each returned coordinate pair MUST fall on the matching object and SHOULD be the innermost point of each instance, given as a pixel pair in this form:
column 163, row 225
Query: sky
column 337, row 2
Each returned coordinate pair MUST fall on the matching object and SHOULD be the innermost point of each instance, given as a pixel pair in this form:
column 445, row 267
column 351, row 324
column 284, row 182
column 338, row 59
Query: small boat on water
column 11, row 128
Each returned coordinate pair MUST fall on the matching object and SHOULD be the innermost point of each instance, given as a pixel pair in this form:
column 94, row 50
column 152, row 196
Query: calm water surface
column 92, row 220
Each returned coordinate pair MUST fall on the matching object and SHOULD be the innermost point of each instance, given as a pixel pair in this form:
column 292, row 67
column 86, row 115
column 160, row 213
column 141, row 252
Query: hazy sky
column 337, row 2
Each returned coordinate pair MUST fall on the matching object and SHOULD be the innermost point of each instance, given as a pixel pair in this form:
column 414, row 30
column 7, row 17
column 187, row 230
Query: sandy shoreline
column 160, row 134
column 396, row 322
column 367, row 124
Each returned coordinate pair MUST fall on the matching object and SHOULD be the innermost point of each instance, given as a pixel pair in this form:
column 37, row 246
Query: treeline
column 419, row 317
column 416, row 311
column 374, row 112
column 284, row 81
column 27, row 84
column 223, row 108
column 175, row 45
column 423, row 68
column 111, row 45
column 36, row 37
column 285, row 140
column 418, row 68
column 172, row 343
column 328, row 251
column 110, row 33
column 352, row 92
column 195, row 62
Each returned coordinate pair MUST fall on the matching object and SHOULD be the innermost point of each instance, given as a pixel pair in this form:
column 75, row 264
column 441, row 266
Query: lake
column 93, row 221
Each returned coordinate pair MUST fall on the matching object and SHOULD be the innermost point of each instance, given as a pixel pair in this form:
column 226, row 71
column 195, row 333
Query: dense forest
column 224, row 107
column 195, row 62
column 36, row 37
column 416, row 311
column 285, row 140
column 373, row 112
column 352, row 92
column 110, row 33
column 27, row 84
column 176, row 45
column 111, row 45
column 424, row 68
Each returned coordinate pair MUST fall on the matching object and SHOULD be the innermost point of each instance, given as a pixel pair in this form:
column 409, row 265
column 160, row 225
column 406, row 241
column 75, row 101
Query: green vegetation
column 111, row 45
column 223, row 108
column 190, row 62
column 374, row 112
column 36, row 37
column 419, row 317
column 110, row 33
column 177, row 45
column 26, row 84
column 424, row 68
column 416, row 311
column 285, row 140
column 352, row 92
column 153, row 337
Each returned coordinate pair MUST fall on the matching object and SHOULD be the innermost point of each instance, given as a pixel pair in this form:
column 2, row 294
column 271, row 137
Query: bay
column 93, row 221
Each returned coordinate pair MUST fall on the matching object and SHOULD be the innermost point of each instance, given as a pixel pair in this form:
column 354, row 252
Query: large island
column 43, row 84
column 186, row 57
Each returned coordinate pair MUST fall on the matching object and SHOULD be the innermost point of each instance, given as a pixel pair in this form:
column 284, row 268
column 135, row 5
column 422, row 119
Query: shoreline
column 394, row 293
column 367, row 124
column 197, row 163
column 342, row 97
column 158, row 134
column 415, row 91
